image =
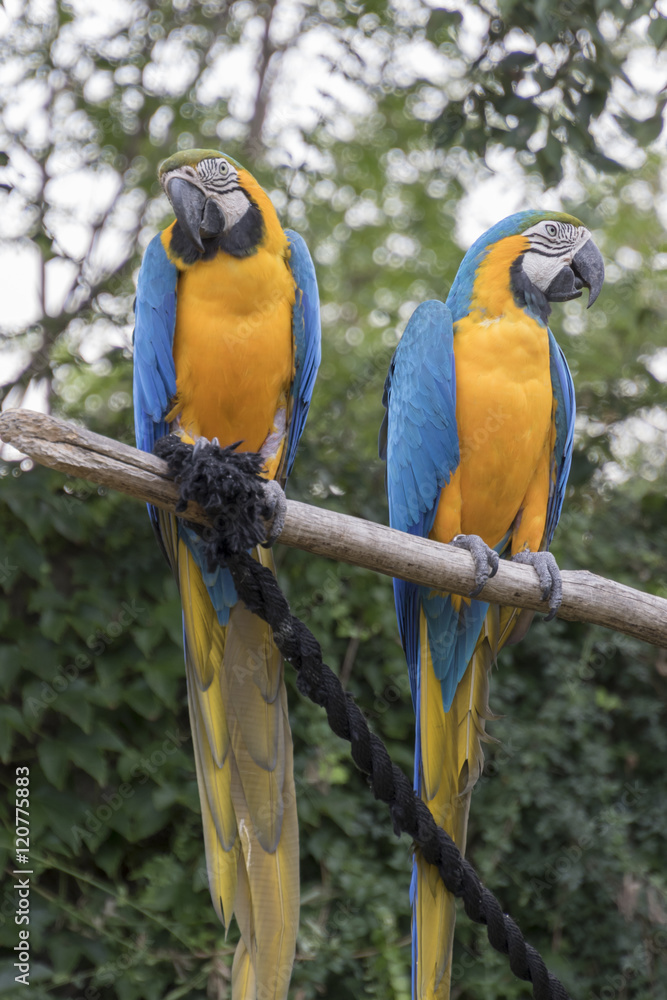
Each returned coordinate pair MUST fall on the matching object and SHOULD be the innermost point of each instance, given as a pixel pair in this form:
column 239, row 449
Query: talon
column 275, row 511
column 549, row 576
column 486, row 559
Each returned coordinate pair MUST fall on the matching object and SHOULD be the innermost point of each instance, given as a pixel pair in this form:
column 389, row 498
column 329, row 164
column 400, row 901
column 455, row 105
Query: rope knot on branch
column 227, row 484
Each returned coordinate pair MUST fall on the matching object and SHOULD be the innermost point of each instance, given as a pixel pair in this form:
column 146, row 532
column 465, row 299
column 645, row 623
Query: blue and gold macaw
column 478, row 443
column 227, row 346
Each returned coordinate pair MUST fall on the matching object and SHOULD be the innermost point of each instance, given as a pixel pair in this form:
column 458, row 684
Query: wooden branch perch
column 586, row 597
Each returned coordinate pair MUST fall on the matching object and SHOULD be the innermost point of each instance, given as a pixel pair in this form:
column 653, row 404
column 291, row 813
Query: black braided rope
column 226, row 484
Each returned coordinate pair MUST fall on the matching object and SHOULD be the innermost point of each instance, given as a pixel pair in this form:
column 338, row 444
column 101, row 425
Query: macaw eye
column 223, row 167
column 551, row 230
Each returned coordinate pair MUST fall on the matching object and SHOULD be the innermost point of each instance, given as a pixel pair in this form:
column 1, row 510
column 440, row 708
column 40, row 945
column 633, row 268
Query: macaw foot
column 549, row 576
column 486, row 559
column 275, row 508
column 201, row 443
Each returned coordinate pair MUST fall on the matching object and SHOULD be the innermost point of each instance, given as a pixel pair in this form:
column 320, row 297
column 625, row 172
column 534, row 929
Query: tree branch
column 586, row 597
column 253, row 144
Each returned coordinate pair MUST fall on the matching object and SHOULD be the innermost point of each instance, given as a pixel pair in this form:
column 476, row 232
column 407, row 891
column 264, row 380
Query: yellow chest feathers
column 504, row 407
column 233, row 346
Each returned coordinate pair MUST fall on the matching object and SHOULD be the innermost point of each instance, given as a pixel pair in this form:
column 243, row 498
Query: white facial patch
column 218, row 180
column 234, row 206
column 552, row 246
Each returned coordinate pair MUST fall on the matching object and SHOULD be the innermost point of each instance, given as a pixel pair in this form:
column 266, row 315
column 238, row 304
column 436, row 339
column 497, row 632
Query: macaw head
column 218, row 205
column 544, row 257
column 560, row 259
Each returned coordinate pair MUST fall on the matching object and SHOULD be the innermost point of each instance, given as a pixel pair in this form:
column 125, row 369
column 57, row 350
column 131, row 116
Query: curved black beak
column 585, row 271
column 199, row 217
column 588, row 267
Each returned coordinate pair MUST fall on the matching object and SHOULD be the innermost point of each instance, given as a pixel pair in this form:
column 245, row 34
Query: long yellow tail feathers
column 264, row 801
column 244, row 983
column 251, row 683
column 219, row 824
column 451, row 762
column 243, row 755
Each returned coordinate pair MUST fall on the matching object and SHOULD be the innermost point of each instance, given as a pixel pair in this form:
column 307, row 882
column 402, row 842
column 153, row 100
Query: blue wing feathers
column 218, row 582
column 563, row 390
column 307, row 340
column 452, row 637
column 421, row 423
column 155, row 319
column 406, row 598
column 423, row 452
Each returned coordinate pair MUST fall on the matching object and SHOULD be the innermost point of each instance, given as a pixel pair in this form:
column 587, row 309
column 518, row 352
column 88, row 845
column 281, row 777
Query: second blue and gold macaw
column 227, row 346
column 478, row 442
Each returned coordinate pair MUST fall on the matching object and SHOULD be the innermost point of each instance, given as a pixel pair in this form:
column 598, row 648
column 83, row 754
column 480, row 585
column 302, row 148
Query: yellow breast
column 503, row 411
column 504, row 404
column 233, row 346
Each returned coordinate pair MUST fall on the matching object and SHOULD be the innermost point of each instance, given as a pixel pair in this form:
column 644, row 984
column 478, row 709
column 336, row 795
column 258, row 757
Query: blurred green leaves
column 544, row 75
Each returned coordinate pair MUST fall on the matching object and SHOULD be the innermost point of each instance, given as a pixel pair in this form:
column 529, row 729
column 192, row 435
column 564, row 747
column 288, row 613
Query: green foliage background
column 568, row 821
